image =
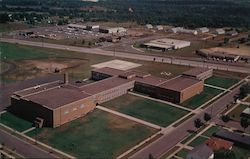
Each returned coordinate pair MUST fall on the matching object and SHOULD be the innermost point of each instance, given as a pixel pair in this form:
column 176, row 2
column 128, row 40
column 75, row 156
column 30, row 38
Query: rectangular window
column 66, row 112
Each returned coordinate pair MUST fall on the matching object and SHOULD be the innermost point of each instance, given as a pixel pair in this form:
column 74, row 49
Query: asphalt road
column 21, row 147
column 227, row 67
column 158, row 148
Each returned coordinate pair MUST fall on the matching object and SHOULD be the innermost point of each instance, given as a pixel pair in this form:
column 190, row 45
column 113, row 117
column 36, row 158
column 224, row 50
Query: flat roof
column 38, row 88
column 117, row 64
column 109, row 71
column 151, row 80
column 58, row 96
column 166, row 43
column 196, row 71
column 179, row 83
column 103, row 85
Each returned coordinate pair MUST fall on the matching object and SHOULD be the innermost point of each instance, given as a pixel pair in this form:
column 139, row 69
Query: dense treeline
column 191, row 13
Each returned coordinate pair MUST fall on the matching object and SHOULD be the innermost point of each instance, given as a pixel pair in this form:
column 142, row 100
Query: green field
column 221, row 81
column 235, row 113
column 97, row 135
column 211, row 131
column 197, row 141
column 145, row 109
column 18, row 52
column 201, row 98
column 14, row 122
column 241, row 153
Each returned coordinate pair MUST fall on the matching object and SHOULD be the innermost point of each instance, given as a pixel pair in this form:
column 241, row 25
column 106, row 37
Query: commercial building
column 159, row 27
column 167, row 44
column 232, row 33
column 220, row 31
column 149, row 26
column 77, row 26
column 59, row 102
column 202, row 30
column 183, row 30
column 116, row 30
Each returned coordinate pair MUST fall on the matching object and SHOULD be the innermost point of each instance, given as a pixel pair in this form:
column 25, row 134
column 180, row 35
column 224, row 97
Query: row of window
column 74, row 109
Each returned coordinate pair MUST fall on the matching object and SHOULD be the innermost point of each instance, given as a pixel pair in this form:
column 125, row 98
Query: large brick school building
column 60, row 102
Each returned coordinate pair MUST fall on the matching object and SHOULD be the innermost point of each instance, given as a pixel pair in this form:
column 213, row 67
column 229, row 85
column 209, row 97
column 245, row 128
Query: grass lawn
column 201, row 98
column 211, row 131
column 14, row 122
column 235, row 113
column 182, row 153
column 18, row 52
column 241, row 153
column 145, row 109
column 97, row 135
column 221, row 81
column 197, row 141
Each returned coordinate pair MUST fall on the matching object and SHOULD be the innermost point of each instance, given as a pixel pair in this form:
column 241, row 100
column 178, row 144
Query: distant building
column 232, row 33
column 220, row 31
column 149, row 26
column 159, row 27
column 246, row 113
column 77, row 26
column 115, row 30
column 202, row 30
column 219, row 144
column 167, row 44
column 201, row 152
column 183, row 30
column 93, row 27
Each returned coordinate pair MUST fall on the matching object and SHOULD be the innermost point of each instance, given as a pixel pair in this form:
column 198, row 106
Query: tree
column 150, row 156
column 244, row 122
column 83, row 41
column 225, row 118
column 207, row 117
column 244, row 90
column 198, row 123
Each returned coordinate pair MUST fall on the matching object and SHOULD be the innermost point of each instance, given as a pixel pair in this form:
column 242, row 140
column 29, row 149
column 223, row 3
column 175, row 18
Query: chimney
column 66, row 78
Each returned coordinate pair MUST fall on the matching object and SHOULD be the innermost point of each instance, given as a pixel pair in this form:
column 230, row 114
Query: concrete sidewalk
column 130, row 117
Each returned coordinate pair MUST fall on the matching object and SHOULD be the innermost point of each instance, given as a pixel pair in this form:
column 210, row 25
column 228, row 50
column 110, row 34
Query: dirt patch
column 52, row 64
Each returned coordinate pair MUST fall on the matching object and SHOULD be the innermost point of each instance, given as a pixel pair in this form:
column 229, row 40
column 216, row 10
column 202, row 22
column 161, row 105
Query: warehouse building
column 202, row 30
column 77, row 26
column 116, row 30
column 167, row 44
column 183, row 30
column 220, row 31
column 59, row 102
